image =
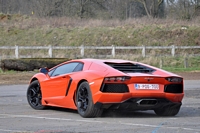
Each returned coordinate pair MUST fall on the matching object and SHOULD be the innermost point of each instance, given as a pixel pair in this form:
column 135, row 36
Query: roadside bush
column 29, row 64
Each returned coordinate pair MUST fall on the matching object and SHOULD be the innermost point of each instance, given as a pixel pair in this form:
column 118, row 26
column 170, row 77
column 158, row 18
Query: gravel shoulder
column 190, row 75
column 15, row 78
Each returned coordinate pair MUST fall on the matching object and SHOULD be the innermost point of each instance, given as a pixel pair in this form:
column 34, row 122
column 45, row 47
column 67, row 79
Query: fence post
column 113, row 51
column 186, row 62
column 50, row 51
column 173, row 50
column 82, row 50
column 143, row 51
column 16, row 52
column 161, row 62
column 0, row 64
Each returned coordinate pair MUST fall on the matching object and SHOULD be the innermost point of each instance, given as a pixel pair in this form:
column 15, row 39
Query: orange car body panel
column 57, row 92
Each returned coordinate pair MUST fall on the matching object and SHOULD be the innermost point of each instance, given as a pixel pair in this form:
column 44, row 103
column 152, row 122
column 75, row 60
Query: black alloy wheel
column 34, row 95
column 84, row 102
column 83, row 99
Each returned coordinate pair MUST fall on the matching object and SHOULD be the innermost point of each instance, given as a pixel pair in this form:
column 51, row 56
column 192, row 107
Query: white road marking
column 89, row 121
column 16, row 131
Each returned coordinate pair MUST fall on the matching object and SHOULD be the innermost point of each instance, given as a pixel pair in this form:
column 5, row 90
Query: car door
column 56, row 87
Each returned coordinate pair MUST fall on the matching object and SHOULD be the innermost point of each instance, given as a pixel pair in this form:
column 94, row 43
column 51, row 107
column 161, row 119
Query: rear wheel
column 84, row 102
column 34, row 95
column 167, row 111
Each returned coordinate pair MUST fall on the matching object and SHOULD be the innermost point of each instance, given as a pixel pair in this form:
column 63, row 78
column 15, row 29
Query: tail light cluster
column 115, row 84
column 116, row 79
column 175, row 79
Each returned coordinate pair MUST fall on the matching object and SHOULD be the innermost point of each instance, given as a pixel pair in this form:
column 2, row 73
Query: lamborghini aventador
column 91, row 86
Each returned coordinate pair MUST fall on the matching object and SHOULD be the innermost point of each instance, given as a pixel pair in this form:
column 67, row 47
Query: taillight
column 116, row 79
column 174, row 79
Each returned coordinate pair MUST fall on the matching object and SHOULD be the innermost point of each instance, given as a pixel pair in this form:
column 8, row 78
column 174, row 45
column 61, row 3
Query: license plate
column 146, row 86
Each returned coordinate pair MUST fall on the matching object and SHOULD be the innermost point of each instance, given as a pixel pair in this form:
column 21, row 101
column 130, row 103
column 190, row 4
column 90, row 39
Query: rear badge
column 148, row 79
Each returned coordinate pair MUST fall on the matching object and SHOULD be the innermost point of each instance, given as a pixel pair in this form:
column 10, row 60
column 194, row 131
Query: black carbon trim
column 69, row 84
column 133, row 104
column 114, row 88
column 174, row 88
column 130, row 67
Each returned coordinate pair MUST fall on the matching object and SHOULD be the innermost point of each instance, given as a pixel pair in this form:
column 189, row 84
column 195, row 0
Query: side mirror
column 44, row 70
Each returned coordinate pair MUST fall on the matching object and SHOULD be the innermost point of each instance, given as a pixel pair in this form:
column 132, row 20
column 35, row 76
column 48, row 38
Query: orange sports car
column 93, row 85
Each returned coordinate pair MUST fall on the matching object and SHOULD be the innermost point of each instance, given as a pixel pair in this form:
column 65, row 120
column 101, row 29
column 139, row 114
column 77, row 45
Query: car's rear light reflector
column 174, row 79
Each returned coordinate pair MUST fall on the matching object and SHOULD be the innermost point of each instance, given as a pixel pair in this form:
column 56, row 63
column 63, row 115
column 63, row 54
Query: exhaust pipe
column 147, row 102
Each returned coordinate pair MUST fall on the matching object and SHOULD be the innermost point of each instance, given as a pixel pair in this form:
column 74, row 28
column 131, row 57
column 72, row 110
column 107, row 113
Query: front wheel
column 84, row 102
column 34, row 95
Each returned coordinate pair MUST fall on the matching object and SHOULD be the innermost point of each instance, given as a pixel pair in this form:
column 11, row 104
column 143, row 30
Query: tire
column 34, row 95
column 84, row 102
column 168, row 111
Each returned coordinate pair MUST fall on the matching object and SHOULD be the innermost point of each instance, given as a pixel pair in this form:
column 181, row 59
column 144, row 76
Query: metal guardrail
column 82, row 49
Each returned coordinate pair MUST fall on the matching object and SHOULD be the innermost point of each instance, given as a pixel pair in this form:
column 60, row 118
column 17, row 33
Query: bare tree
column 104, row 9
column 90, row 8
column 196, row 4
column 184, row 9
column 151, row 7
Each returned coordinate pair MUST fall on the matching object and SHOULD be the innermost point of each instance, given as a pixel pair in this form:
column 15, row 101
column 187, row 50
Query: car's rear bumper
column 121, row 97
column 144, row 103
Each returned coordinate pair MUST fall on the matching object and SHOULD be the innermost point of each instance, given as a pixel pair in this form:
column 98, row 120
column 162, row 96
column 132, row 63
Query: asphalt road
column 16, row 116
